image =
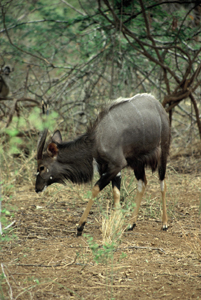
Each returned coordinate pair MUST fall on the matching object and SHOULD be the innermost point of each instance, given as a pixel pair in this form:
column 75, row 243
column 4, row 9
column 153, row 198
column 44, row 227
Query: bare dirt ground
column 47, row 261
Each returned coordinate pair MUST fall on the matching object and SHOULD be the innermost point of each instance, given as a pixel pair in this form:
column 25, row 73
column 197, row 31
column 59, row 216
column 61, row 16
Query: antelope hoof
column 131, row 227
column 165, row 227
column 80, row 229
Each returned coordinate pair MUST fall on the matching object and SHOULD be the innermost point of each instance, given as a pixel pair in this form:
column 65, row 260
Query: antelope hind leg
column 116, row 183
column 141, row 185
column 164, row 216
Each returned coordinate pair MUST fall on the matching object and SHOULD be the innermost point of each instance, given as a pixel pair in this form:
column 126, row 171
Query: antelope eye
column 41, row 168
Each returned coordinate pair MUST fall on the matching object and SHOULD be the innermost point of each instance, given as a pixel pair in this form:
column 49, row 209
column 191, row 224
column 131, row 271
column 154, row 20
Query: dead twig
column 6, row 278
column 15, row 108
column 60, row 264
column 142, row 247
column 10, row 225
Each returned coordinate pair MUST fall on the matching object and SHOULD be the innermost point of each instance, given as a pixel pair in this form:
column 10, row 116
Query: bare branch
column 78, row 11
column 33, row 55
column 196, row 112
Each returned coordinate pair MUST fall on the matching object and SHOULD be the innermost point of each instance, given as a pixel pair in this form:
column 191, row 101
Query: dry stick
column 0, row 198
column 11, row 224
column 196, row 112
column 32, row 287
column 50, row 266
column 11, row 292
column 141, row 247
column 78, row 11
column 0, row 207
column 14, row 107
column 1, row 231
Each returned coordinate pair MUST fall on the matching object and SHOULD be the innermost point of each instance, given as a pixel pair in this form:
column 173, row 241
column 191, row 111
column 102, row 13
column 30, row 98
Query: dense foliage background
column 77, row 55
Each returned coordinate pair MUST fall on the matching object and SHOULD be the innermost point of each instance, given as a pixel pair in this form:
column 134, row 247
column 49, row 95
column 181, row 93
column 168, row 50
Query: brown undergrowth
column 41, row 257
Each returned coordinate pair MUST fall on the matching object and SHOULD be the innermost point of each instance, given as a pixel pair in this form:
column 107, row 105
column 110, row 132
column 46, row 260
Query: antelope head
column 48, row 170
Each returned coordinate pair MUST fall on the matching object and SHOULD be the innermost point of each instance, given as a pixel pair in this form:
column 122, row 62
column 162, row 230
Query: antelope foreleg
column 100, row 184
column 83, row 218
column 164, row 216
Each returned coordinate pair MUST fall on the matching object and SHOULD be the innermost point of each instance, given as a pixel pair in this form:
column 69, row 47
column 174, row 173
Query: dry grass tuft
column 192, row 240
column 195, row 244
column 113, row 226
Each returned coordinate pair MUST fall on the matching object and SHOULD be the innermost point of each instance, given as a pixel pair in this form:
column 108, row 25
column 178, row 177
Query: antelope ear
column 52, row 150
column 57, row 138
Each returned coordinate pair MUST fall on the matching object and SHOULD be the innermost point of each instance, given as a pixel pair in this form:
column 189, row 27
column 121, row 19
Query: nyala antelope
column 132, row 132
column 4, row 82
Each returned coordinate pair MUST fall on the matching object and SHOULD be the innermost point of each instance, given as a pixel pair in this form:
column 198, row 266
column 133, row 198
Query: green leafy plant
column 101, row 254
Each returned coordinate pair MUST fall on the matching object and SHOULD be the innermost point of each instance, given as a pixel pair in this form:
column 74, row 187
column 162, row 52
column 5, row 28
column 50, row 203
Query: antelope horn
column 41, row 143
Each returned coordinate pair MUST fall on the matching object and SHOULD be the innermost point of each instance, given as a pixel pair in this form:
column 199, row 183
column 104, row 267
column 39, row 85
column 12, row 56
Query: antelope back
column 132, row 128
